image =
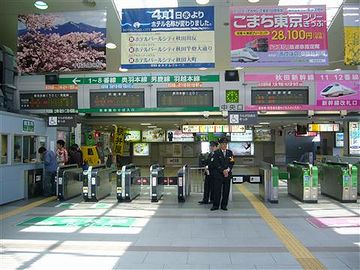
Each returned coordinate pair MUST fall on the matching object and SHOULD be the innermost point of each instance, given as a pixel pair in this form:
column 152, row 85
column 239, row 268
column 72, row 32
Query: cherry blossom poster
column 61, row 42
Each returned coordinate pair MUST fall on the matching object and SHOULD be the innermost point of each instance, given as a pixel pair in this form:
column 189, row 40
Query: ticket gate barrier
column 303, row 181
column 127, row 184
column 269, row 186
column 339, row 181
column 68, row 181
column 156, row 182
column 357, row 165
column 96, row 182
column 183, row 183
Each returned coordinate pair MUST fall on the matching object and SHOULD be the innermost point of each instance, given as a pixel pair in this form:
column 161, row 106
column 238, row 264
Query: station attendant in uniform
column 221, row 165
column 208, row 182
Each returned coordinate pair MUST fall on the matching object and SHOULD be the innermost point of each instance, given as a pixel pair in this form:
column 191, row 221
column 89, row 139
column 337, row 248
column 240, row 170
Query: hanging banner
column 340, row 91
column 278, row 36
column 351, row 34
column 168, row 38
column 61, row 42
column 119, row 140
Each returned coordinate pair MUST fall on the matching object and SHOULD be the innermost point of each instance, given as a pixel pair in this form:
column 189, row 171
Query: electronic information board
column 45, row 101
column 117, row 99
column 185, row 98
column 279, row 96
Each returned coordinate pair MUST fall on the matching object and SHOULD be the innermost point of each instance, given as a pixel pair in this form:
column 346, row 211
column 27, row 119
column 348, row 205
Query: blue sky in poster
column 168, row 19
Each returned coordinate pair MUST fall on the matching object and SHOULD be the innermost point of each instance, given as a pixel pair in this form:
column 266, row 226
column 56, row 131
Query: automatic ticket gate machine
column 156, row 182
column 303, row 181
column 269, row 186
column 68, row 181
column 339, row 181
column 184, row 183
column 127, row 185
column 96, row 182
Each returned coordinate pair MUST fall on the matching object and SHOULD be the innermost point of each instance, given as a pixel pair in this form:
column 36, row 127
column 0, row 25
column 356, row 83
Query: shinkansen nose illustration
column 68, row 181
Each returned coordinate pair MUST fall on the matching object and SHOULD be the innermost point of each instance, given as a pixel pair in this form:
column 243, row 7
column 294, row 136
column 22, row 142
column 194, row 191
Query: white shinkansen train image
column 244, row 55
column 337, row 90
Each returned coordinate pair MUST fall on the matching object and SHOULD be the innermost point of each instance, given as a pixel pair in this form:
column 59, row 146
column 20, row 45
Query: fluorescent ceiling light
column 145, row 124
column 152, row 126
column 332, row 6
column 122, row 4
column 110, row 45
column 264, row 123
column 41, row 5
column 239, row 68
column 253, row 1
column 202, row 2
column 203, row 68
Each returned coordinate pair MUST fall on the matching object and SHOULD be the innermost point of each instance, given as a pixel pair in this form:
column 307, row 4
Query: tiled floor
column 168, row 235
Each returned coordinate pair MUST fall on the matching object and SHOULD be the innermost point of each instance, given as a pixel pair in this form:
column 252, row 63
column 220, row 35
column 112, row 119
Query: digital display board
column 45, row 100
column 153, row 135
column 185, row 97
column 246, row 136
column 242, row 148
column 132, row 136
column 179, row 136
column 323, row 127
column 279, row 96
column 117, row 99
column 262, row 135
column 339, row 139
column 354, row 138
column 141, row 149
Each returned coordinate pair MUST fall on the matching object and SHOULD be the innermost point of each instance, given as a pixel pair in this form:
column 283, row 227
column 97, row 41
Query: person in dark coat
column 75, row 155
column 221, row 165
column 208, row 189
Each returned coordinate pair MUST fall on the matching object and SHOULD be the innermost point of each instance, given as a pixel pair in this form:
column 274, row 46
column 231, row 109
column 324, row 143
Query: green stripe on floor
column 78, row 222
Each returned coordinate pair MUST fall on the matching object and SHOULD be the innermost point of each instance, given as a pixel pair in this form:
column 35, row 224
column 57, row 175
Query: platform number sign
column 232, row 96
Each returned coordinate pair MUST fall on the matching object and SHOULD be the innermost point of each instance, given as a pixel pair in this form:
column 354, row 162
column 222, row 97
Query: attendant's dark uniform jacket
column 221, row 184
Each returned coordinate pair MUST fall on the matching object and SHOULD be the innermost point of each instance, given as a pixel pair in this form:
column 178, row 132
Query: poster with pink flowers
column 61, row 42
column 339, row 91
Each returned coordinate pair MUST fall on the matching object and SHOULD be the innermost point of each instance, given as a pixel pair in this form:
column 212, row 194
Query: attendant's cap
column 213, row 143
column 223, row 140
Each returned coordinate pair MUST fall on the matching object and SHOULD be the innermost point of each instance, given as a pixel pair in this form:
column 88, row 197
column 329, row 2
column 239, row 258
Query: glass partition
column 4, row 149
column 17, row 149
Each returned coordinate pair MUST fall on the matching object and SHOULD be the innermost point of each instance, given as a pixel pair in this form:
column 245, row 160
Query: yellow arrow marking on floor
column 295, row 247
column 26, row 207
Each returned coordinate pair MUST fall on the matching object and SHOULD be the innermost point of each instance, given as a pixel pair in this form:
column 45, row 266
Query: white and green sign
column 28, row 125
column 139, row 79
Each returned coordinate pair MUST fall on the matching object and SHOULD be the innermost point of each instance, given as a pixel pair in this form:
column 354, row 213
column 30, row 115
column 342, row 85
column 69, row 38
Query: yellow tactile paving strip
column 26, row 207
column 295, row 247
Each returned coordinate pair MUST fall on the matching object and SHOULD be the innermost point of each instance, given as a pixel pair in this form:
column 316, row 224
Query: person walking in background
column 50, row 167
column 75, row 155
column 221, row 166
column 208, row 182
column 61, row 153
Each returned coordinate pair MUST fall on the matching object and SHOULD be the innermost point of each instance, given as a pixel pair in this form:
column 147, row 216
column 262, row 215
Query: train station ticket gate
column 303, row 181
column 96, row 182
column 339, row 181
column 127, row 184
column 156, row 182
column 68, row 181
column 184, row 183
column 269, row 186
